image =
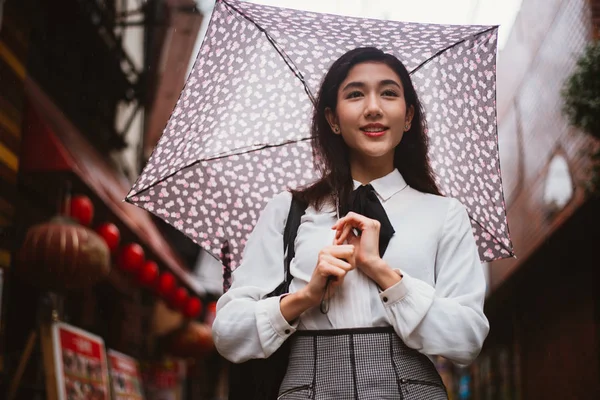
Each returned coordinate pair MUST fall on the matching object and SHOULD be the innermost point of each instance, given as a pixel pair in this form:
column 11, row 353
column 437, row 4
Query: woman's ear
column 410, row 113
column 332, row 120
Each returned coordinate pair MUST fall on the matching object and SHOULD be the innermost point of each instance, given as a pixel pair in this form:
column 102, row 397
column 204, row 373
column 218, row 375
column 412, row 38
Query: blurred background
column 86, row 88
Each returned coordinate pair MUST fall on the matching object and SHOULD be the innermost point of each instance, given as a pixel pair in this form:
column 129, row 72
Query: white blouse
column 437, row 308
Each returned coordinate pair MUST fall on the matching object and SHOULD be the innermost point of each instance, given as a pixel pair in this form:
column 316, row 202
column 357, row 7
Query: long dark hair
column 331, row 154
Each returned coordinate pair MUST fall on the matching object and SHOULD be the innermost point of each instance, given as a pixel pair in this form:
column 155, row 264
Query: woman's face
column 371, row 112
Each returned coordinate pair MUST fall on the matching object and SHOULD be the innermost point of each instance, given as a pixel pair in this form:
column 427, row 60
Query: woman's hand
column 334, row 261
column 366, row 247
column 367, row 244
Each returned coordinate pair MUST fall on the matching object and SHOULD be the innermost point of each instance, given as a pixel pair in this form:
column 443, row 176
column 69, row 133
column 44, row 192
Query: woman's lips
column 374, row 134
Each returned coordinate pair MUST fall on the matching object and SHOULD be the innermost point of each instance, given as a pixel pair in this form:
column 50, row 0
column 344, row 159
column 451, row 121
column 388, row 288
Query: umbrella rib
column 418, row 67
column 287, row 59
column 510, row 251
column 218, row 157
column 262, row 147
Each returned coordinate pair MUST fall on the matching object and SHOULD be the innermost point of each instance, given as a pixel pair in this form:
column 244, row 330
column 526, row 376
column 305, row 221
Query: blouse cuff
column 279, row 324
column 397, row 292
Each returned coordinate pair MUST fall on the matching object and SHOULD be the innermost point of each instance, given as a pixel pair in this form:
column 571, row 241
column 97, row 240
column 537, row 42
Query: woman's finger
column 345, row 251
column 327, row 270
column 355, row 220
column 338, row 262
column 342, row 234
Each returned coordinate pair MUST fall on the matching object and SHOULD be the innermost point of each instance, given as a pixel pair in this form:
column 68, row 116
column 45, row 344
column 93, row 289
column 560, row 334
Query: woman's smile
column 374, row 130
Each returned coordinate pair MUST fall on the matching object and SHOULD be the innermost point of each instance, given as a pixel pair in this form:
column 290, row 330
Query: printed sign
column 80, row 364
column 165, row 380
column 125, row 377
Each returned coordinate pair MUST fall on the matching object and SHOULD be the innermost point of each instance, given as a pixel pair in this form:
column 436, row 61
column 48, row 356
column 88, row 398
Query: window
column 558, row 188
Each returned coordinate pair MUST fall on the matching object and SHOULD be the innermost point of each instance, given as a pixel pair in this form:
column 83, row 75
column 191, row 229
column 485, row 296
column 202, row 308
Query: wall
column 595, row 7
column 541, row 52
column 545, row 316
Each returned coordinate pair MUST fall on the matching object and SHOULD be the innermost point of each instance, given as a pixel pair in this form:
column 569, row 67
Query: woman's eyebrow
column 360, row 85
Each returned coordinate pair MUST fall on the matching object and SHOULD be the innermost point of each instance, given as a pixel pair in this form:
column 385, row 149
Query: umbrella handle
column 324, row 306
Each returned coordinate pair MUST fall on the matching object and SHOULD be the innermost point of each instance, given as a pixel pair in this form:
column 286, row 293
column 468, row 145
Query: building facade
column 543, row 305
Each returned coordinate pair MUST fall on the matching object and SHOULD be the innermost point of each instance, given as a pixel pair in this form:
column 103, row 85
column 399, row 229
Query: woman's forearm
column 294, row 304
column 383, row 275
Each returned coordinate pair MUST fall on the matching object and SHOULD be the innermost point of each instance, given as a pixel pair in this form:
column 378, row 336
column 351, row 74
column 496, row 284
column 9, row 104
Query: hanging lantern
column 211, row 313
column 148, row 273
column 193, row 340
column 82, row 209
column 131, row 258
column 179, row 298
column 165, row 285
column 61, row 254
column 111, row 235
column 192, row 308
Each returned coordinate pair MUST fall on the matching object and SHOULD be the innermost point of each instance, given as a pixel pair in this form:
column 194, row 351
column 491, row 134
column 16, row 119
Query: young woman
column 396, row 261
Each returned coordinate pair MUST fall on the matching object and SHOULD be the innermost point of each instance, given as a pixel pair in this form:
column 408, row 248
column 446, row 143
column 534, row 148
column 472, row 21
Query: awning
column 65, row 149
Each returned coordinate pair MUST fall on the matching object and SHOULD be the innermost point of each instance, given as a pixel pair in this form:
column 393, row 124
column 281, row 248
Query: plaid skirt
column 365, row 363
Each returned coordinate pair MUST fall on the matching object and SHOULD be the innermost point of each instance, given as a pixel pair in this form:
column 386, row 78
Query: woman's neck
column 365, row 171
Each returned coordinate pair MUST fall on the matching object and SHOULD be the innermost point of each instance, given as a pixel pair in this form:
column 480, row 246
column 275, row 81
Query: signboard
column 165, row 380
column 125, row 375
column 80, row 364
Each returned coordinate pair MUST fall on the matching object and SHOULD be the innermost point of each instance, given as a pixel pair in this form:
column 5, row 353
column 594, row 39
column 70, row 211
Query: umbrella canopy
column 239, row 133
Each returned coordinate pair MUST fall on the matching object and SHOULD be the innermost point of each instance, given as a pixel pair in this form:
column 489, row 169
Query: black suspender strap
column 297, row 210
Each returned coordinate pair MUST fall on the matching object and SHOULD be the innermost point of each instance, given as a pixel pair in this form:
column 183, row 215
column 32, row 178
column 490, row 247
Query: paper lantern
column 148, row 274
column 192, row 308
column 82, row 209
column 110, row 234
column 131, row 258
column 193, row 340
column 165, row 285
column 61, row 254
column 179, row 298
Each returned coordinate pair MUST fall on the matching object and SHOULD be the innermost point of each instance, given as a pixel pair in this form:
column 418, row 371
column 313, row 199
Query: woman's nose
column 372, row 107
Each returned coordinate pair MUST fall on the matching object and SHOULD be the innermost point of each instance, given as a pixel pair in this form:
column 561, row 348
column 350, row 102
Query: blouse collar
column 387, row 185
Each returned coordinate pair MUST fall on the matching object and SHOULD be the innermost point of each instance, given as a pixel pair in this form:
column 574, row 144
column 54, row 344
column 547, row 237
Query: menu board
column 80, row 364
column 165, row 380
column 125, row 377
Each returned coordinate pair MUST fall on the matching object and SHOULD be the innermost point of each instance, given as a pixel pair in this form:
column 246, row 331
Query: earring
column 406, row 127
column 336, row 129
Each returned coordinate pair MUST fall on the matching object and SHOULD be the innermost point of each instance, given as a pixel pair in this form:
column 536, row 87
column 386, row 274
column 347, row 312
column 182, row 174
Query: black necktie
column 364, row 201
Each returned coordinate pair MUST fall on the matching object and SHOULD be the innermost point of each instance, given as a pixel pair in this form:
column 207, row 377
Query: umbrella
column 239, row 133
column 225, row 258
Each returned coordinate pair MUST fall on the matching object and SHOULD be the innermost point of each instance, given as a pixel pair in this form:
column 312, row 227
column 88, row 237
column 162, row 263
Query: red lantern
column 131, row 257
column 192, row 308
column 61, row 255
column 82, row 209
column 148, row 273
column 111, row 235
column 211, row 313
column 179, row 298
column 165, row 285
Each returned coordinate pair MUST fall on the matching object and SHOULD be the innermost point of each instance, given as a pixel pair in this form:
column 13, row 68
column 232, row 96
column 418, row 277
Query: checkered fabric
column 365, row 364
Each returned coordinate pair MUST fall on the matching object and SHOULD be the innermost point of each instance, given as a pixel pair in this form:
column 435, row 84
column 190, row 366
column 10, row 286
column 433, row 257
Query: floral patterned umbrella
column 240, row 131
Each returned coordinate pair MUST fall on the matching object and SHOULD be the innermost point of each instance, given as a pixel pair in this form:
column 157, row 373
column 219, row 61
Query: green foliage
column 581, row 92
column 581, row 95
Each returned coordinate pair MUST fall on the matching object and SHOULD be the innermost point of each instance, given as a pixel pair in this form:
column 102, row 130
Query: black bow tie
column 364, row 201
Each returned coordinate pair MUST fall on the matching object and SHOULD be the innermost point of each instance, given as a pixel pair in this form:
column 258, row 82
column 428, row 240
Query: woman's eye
column 390, row 93
column 354, row 94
